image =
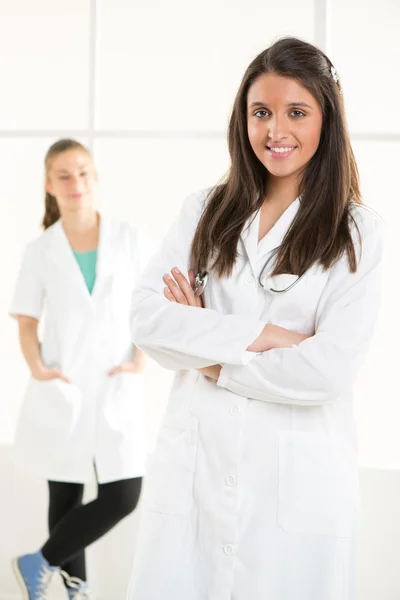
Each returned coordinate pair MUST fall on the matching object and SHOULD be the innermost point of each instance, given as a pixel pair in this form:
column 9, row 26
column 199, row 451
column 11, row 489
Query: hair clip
column 334, row 74
column 335, row 77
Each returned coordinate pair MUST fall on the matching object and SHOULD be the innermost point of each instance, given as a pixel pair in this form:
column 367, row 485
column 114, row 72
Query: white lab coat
column 252, row 490
column 64, row 429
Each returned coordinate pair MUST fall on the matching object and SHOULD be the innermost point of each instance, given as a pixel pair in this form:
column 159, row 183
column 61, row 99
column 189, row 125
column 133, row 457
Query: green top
column 87, row 264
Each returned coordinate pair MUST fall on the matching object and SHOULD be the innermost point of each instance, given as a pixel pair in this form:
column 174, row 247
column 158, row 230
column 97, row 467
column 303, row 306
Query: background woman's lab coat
column 252, row 490
column 65, row 428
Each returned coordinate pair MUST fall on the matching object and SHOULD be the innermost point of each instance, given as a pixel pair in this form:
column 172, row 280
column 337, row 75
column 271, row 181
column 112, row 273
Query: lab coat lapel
column 249, row 237
column 105, row 262
column 61, row 254
column 271, row 240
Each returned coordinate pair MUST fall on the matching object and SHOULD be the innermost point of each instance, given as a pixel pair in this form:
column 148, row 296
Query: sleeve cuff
column 244, row 357
column 223, row 378
column 15, row 311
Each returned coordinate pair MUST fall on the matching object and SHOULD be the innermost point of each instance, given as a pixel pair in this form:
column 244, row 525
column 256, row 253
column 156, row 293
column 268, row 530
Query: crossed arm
column 179, row 290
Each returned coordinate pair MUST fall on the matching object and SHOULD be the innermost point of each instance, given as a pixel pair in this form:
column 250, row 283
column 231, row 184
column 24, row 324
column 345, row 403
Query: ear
column 49, row 188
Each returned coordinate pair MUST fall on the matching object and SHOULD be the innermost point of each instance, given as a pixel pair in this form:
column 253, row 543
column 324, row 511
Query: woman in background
column 83, row 406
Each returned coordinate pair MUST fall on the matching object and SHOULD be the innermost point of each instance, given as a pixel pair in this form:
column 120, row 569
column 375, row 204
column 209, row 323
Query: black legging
column 73, row 525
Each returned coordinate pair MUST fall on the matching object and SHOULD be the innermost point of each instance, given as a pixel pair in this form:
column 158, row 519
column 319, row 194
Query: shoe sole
column 20, row 579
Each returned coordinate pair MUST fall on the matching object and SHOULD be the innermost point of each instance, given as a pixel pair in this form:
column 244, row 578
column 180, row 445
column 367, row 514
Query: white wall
column 149, row 87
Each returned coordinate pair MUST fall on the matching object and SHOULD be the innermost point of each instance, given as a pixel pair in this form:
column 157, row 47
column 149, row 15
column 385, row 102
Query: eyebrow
column 291, row 104
column 67, row 171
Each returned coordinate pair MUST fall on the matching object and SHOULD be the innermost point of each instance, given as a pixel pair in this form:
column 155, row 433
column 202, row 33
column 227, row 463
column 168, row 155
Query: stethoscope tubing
column 201, row 279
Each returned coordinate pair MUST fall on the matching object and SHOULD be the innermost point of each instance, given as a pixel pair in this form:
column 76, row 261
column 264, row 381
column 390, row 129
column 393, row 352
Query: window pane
column 366, row 51
column 145, row 181
column 177, row 65
column 44, row 59
column 377, row 398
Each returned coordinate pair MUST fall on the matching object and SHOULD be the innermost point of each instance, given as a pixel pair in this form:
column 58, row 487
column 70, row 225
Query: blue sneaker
column 34, row 574
column 77, row 589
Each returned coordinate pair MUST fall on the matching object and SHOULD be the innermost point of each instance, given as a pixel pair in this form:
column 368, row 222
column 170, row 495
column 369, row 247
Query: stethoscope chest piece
column 200, row 282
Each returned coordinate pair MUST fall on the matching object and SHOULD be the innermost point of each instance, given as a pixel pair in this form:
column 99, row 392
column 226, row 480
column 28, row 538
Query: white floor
column 23, row 528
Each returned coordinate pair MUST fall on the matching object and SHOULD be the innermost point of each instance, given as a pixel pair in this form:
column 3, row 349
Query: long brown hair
column 52, row 213
column 321, row 230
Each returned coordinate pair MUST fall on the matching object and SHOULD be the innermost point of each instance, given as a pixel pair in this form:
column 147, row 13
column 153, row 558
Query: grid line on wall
column 93, row 43
column 163, row 135
column 321, row 38
column 321, row 24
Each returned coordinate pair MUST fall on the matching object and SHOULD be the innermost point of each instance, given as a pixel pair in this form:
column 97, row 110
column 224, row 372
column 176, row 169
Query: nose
column 277, row 129
column 76, row 185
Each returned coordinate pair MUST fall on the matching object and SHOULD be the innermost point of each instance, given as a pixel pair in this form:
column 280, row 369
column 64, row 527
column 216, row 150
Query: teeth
column 281, row 150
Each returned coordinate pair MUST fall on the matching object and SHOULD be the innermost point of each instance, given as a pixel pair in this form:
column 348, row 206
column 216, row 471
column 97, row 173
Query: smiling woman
column 252, row 491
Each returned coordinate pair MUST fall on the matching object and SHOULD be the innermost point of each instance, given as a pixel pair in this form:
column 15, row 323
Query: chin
column 280, row 172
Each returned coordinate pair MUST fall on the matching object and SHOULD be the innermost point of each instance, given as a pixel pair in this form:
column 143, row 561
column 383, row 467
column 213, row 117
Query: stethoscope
column 201, row 279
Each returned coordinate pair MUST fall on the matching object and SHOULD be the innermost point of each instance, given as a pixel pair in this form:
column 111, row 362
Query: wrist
column 38, row 368
column 264, row 341
column 268, row 337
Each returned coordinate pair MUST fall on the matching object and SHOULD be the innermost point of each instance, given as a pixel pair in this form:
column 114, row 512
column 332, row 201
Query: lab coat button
column 231, row 480
column 228, row 549
column 235, row 410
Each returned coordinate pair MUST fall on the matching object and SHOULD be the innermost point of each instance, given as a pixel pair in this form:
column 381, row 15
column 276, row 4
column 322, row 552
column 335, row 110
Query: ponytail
column 52, row 213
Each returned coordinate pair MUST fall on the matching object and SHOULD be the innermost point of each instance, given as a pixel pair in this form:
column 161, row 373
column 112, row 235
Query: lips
column 280, row 151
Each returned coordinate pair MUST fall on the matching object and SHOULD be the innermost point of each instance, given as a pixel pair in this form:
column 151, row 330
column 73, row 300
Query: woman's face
column 284, row 123
column 71, row 179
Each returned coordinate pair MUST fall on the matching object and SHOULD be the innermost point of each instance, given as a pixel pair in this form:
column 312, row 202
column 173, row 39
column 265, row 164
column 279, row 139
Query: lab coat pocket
column 168, row 487
column 297, row 306
column 317, row 485
column 49, row 415
column 124, row 402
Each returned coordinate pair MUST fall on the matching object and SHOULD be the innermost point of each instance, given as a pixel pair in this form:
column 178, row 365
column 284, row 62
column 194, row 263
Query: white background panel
column 377, row 395
column 44, row 64
column 364, row 46
column 178, row 64
column 145, row 181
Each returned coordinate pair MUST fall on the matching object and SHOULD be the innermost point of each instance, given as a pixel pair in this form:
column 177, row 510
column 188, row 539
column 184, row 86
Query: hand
column 180, row 290
column 45, row 374
column 212, row 372
column 273, row 336
column 133, row 366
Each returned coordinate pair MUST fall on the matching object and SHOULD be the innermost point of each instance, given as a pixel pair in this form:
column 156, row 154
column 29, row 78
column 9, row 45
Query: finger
column 175, row 289
column 184, row 286
column 192, row 278
column 169, row 295
column 114, row 371
column 60, row 375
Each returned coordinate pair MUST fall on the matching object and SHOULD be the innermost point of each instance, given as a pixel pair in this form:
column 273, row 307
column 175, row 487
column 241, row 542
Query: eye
column 84, row 173
column 298, row 113
column 261, row 113
column 64, row 177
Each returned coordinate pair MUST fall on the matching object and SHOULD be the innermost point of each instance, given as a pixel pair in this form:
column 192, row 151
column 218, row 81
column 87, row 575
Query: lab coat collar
column 61, row 253
column 273, row 239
